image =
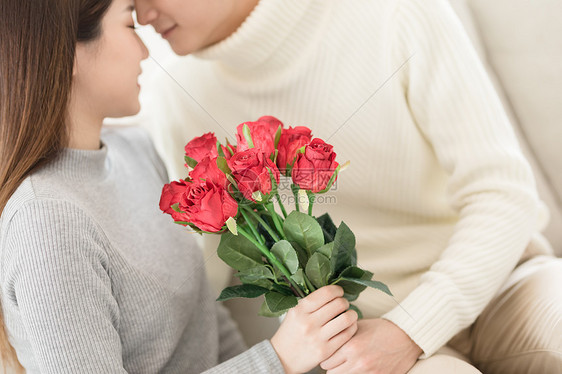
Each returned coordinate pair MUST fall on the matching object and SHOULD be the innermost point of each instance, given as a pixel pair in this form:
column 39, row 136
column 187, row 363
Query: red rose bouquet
column 231, row 190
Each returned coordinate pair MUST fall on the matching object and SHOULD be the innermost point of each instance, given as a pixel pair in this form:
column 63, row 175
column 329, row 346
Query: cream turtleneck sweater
column 441, row 200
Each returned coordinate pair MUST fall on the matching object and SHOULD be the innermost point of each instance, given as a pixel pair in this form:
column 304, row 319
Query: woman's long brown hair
column 37, row 46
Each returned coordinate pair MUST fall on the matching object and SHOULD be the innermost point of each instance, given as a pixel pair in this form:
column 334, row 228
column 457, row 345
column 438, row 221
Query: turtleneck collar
column 256, row 43
column 82, row 165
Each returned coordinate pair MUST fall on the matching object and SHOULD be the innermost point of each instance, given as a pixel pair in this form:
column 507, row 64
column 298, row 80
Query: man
column 440, row 198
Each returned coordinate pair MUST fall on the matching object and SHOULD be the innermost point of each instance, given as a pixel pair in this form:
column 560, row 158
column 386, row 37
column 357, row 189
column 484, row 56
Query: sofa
column 520, row 43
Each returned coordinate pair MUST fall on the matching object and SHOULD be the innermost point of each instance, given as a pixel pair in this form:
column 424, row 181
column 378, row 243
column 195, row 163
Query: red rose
column 262, row 132
column 208, row 206
column 273, row 123
column 292, row 139
column 228, row 150
column 201, row 147
column 250, row 169
column 207, row 169
column 171, row 194
column 314, row 168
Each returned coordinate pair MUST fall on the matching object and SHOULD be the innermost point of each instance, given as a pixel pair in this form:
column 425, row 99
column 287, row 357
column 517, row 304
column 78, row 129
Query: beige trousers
column 520, row 331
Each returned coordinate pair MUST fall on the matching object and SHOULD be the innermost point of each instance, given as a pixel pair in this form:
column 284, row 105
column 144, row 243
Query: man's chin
column 180, row 50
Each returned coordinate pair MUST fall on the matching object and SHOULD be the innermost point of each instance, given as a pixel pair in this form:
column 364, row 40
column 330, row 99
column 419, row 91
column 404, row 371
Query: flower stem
column 274, row 261
column 280, row 203
column 252, row 227
column 295, row 190
column 276, row 220
column 263, row 223
column 296, row 290
column 311, row 199
column 308, row 283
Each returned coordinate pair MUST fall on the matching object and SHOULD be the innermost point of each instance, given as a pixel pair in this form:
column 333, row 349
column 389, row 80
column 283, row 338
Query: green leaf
column 349, row 296
column 354, row 257
column 277, row 273
column 264, row 283
column 327, row 249
column 274, row 185
column 243, row 290
column 232, row 180
column 278, row 135
column 284, row 290
column 228, row 147
column 318, row 269
column 220, row 152
column 331, row 181
column 303, row 230
column 265, row 312
column 195, row 228
column 192, row 226
column 232, row 226
column 344, row 245
column 301, row 254
column 357, row 310
column 238, row 252
column 176, row 207
column 298, row 277
column 247, row 135
column 277, row 302
column 328, row 227
column 254, row 274
column 223, row 165
column 190, row 161
column 370, row 283
column 285, row 253
column 355, row 272
column 352, row 289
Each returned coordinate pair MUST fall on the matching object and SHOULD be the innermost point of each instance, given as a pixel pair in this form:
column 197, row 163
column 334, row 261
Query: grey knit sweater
column 95, row 279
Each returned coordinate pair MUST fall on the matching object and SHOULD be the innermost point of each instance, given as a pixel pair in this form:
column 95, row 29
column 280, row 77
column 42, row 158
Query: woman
column 94, row 278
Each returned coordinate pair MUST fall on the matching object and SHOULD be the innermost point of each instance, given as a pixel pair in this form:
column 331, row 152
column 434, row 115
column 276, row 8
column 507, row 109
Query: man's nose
column 145, row 12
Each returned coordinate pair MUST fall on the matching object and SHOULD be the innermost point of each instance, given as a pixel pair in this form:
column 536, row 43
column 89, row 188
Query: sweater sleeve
column 230, row 339
column 57, row 282
column 491, row 186
column 261, row 358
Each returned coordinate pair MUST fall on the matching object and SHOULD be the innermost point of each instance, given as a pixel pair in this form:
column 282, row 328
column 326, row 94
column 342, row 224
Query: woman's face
column 107, row 69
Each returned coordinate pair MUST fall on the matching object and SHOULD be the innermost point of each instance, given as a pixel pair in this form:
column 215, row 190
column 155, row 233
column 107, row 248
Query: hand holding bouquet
column 231, row 191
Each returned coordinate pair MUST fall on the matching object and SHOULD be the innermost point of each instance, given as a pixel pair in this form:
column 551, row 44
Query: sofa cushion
column 519, row 42
column 523, row 40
